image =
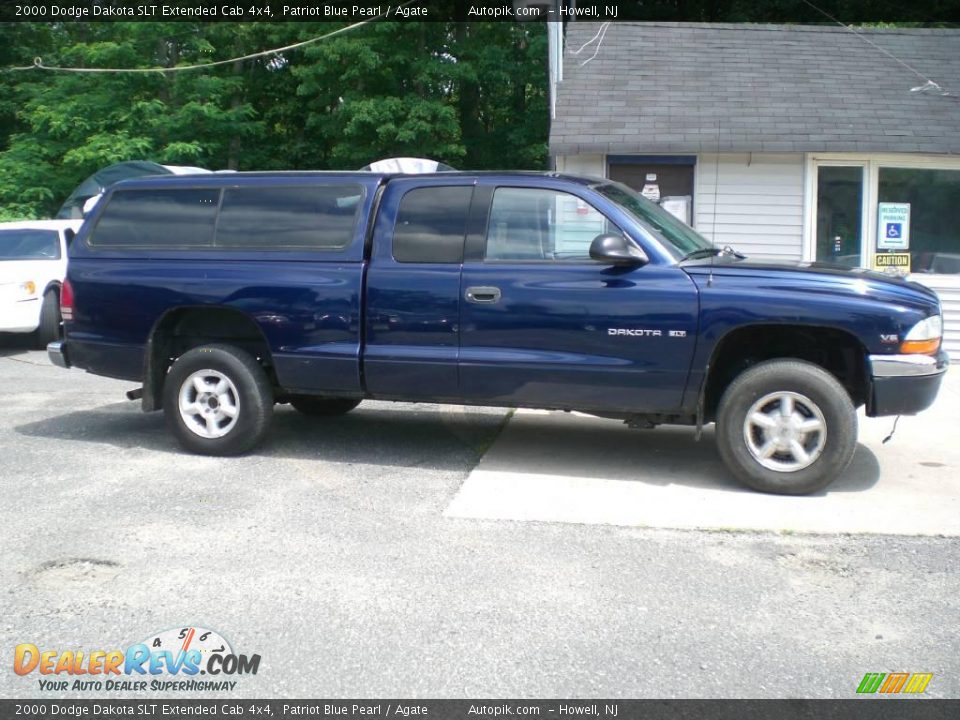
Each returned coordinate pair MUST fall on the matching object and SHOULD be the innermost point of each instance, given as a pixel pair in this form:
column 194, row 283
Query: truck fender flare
column 152, row 362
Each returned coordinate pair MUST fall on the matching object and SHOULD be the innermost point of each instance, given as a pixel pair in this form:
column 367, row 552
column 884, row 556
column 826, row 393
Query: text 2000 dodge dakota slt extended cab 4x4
column 226, row 294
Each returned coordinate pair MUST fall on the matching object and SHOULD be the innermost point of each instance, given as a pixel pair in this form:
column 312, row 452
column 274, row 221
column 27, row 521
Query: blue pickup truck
column 225, row 294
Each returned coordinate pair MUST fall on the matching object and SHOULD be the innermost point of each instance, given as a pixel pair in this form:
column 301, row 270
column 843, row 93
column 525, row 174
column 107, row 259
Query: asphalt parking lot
column 364, row 556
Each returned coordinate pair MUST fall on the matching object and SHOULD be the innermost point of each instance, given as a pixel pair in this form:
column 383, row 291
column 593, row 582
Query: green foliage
column 471, row 95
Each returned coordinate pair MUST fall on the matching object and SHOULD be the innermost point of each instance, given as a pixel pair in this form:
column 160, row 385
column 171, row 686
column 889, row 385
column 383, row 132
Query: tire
column 763, row 452
column 230, row 378
column 323, row 407
column 49, row 329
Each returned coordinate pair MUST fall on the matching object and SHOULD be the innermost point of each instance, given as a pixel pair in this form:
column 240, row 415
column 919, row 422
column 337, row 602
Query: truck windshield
column 680, row 239
column 29, row 245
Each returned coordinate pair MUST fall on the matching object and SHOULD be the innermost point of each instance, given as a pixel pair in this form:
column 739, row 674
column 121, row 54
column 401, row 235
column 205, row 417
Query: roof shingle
column 674, row 87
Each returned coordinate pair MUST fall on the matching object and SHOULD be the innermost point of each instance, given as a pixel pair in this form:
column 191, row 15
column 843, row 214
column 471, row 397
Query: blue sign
column 894, row 230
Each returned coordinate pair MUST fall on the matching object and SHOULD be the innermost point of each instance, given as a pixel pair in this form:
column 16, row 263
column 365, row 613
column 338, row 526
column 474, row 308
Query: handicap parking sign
column 893, row 226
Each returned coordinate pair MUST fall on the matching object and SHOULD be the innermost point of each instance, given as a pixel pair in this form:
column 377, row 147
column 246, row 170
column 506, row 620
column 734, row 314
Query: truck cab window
column 537, row 224
column 431, row 223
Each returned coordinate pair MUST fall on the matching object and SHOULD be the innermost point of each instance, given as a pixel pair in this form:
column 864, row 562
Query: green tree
column 472, row 95
column 70, row 124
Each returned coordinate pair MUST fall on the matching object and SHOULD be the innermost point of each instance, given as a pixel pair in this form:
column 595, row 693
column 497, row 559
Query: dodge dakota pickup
column 226, row 294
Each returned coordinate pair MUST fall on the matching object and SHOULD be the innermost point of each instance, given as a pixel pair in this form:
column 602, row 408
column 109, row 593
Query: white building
column 790, row 141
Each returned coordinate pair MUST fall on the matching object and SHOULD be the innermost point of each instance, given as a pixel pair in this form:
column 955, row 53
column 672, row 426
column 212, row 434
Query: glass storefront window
column 934, row 197
column 839, row 214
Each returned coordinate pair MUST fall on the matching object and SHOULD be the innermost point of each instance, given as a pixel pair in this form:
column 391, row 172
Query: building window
column 671, row 175
column 934, row 199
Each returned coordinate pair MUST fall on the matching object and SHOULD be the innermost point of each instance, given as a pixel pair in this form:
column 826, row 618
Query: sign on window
column 892, row 262
column 893, row 228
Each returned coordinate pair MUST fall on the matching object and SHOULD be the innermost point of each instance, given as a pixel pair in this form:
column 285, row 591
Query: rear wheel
column 217, row 400
column 310, row 405
column 786, row 427
column 49, row 329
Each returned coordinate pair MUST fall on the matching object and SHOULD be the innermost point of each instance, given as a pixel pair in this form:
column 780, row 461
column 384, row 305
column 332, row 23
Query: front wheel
column 786, row 427
column 217, row 400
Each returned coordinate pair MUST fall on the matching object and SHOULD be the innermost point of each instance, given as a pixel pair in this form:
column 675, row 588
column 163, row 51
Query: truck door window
column 431, row 223
column 536, row 224
column 314, row 217
column 158, row 218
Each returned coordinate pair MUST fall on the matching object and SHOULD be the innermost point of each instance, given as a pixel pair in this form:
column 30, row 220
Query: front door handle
column 483, row 294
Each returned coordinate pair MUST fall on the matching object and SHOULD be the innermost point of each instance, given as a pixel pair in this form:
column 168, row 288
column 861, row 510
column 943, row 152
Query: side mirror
column 615, row 249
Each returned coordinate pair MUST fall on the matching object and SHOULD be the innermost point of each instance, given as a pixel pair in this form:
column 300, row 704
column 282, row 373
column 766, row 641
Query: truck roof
column 218, row 179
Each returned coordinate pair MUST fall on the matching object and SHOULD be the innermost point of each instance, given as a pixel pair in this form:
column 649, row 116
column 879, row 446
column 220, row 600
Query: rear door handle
column 483, row 294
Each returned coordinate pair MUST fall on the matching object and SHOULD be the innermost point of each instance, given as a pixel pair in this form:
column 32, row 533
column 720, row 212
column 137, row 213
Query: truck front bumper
column 57, row 352
column 904, row 384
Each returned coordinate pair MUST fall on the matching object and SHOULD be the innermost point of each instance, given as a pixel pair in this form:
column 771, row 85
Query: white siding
column 595, row 165
column 759, row 203
column 948, row 288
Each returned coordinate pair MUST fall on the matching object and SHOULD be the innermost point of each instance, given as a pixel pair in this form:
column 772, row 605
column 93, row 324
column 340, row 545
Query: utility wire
column 603, row 30
column 928, row 84
column 38, row 62
column 582, row 47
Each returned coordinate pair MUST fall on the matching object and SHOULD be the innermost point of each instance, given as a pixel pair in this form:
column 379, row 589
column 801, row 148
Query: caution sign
column 899, row 262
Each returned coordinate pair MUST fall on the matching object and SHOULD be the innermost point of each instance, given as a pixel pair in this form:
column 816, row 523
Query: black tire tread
column 812, row 381
column 49, row 330
column 252, row 383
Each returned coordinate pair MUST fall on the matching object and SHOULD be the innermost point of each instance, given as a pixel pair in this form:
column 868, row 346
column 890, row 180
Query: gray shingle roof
column 673, row 87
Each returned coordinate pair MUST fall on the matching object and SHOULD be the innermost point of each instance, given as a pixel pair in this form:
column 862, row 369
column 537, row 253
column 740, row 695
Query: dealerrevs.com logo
column 167, row 661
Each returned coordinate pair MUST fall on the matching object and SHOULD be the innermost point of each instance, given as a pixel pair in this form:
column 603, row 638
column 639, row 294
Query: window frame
column 353, row 251
column 133, row 247
column 872, row 162
column 466, row 224
column 286, row 248
column 58, row 234
column 588, row 261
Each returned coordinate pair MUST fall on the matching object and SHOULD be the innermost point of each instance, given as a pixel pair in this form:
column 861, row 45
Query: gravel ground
column 326, row 552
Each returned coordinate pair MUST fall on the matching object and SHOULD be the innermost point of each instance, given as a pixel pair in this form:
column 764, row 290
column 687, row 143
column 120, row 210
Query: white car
column 33, row 264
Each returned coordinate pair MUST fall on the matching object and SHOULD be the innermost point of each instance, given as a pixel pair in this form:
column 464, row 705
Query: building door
column 840, row 215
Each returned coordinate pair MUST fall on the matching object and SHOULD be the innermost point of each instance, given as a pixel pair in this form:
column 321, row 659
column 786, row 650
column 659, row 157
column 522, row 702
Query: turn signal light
column 924, row 337
column 923, row 347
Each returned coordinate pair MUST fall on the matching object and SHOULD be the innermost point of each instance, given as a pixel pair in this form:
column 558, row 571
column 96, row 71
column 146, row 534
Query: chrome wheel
column 785, row 431
column 209, row 403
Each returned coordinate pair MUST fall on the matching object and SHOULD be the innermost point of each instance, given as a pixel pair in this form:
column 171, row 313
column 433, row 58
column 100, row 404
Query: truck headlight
column 924, row 337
